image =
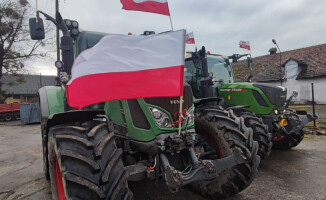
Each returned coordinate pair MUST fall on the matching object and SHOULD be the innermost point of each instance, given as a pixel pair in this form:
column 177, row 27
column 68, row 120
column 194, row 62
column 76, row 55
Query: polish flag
column 128, row 67
column 245, row 45
column 190, row 39
column 153, row 6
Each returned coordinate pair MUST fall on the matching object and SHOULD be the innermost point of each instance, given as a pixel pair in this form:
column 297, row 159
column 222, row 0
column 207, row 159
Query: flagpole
column 180, row 115
column 171, row 22
column 181, row 97
column 170, row 15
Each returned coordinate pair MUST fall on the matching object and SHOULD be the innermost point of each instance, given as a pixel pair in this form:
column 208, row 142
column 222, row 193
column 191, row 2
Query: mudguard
column 237, row 107
column 199, row 102
column 51, row 100
column 72, row 116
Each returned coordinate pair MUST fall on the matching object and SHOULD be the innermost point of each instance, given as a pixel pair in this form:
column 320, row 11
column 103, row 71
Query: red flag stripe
column 190, row 41
column 244, row 44
column 119, row 85
column 147, row 6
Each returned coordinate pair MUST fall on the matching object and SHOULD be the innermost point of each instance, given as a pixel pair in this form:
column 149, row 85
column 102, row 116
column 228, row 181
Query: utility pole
column 58, row 36
column 274, row 41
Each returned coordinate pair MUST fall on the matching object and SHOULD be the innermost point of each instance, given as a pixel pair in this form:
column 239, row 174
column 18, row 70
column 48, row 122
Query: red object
column 59, row 183
column 212, row 139
column 190, row 39
column 125, row 85
column 9, row 110
column 9, row 107
column 183, row 117
column 152, row 6
column 244, row 45
column 278, row 138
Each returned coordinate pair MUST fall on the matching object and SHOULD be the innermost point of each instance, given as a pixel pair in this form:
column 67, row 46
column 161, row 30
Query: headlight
column 276, row 112
column 161, row 118
column 68, row 22
column 191, row 116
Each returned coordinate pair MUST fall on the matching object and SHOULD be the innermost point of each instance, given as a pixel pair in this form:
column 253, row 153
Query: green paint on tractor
column 233, row 93
column 113, row 110
column 242, row 94
column 55, row 96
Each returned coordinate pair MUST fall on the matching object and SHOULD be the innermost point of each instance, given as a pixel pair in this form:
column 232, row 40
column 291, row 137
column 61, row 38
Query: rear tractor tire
column 261, row 134
column 224, row 134
column 85, row 163
column 294, row 138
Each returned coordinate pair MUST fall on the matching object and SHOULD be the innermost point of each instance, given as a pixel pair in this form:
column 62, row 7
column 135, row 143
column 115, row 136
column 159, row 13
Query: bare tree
column 15, row 43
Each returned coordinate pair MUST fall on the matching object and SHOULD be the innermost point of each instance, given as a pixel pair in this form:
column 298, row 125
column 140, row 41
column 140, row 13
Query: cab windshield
column 216, row 64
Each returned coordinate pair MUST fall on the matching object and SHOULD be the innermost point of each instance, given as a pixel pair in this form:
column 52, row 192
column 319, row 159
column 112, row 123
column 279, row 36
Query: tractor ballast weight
column 92, row 153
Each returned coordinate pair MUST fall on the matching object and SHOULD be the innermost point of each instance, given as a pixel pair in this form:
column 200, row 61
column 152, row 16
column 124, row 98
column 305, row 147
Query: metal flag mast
column 181, row 97
column 170, row 16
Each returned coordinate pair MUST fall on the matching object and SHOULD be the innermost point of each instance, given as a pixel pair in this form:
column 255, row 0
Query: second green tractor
column 264, row 107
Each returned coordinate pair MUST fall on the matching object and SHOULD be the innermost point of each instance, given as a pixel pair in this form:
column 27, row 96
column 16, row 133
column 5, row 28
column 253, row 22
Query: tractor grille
column 171, row 104
column 276, row 95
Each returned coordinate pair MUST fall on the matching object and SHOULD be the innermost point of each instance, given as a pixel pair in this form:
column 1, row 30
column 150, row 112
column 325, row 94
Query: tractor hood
column 275, row 94
column 262, row 98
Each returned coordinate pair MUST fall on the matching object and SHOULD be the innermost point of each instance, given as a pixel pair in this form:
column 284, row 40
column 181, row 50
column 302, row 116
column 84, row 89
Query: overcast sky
column 217, row 24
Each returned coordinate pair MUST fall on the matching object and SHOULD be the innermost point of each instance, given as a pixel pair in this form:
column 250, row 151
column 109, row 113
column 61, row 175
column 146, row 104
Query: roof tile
column 267, row 67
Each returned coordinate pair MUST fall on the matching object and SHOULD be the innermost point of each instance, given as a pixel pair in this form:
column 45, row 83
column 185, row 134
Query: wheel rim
column 7, row 118
column 278, row 138
column 213, row 141
column 59, row 183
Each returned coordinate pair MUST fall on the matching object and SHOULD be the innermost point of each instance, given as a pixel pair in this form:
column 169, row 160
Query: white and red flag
column 190, row 39
column 153, row 6
column 245, row 45
column 128, row 67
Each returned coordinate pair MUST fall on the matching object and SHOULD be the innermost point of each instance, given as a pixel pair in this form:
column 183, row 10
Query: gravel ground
column 295, row 174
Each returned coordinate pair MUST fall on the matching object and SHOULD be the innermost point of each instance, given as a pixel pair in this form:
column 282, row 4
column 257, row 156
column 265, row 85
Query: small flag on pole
column 128, row 67
column 190, row 39
column 245, row 45
column 153, row 6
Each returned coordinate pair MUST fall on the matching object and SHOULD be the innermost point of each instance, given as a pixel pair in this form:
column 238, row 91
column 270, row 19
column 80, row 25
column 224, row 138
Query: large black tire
column 7, row 117
column 226, row 135
column 45, row 152
column 292, row 139
column 17, row 116
column 85, row 163
column 261, row 134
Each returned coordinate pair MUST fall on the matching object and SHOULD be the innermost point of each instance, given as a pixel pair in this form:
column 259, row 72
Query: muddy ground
column 295, row 174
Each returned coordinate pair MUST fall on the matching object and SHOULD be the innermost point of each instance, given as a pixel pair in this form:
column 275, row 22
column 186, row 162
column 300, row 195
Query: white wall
column 303, row 86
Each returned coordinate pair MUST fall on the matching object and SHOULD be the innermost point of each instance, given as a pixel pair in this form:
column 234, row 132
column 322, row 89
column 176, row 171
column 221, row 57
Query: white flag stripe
column 127, row 53
column 159, row 1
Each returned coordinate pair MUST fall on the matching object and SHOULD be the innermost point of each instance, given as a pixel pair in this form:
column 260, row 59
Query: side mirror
column 36, row 29
column 196, row 59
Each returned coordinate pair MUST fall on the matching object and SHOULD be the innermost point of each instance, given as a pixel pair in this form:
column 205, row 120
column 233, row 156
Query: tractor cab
column 219, row 71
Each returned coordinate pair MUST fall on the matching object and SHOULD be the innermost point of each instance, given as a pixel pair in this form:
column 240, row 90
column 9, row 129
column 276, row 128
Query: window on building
column 291, row 69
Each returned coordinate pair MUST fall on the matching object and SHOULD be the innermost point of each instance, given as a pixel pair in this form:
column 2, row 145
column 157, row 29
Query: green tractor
column 93, row 153
column 264, row 107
